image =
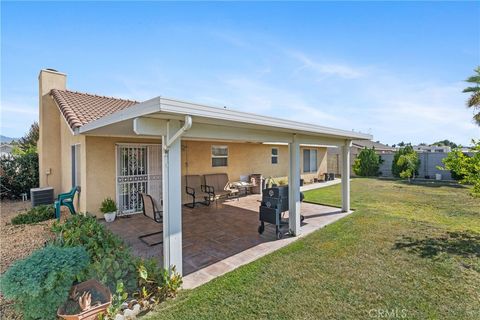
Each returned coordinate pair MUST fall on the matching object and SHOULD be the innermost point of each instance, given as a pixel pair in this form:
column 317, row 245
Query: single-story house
column 421, row 148
column 334, row 158
column 117, row 148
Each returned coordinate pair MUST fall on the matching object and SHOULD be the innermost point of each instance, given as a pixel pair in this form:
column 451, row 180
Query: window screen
column 309, row 160
column 274, row 155
column 219, row 156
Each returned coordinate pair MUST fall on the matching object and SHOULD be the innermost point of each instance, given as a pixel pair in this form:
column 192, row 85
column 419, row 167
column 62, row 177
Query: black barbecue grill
column 274, row 204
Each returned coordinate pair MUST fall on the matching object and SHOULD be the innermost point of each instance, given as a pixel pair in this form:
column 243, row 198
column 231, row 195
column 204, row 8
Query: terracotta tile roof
column 81, row 108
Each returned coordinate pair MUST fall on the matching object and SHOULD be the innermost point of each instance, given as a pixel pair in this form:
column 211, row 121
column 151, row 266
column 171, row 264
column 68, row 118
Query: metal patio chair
column 195, row 189
column 150, row 211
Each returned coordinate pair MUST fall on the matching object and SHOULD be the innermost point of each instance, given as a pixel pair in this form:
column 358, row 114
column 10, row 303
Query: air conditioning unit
column 40, row 196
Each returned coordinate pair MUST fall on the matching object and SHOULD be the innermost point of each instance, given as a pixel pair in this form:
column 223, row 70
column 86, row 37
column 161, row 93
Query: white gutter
column 186, row 126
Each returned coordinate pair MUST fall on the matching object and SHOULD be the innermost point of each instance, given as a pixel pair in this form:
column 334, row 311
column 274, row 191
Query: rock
column 119, row 317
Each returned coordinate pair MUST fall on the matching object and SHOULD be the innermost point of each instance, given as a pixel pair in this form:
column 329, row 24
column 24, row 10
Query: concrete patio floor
column 220, row 237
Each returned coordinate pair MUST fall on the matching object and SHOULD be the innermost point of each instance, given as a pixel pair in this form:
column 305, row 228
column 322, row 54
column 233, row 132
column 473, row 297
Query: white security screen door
column 139, row 170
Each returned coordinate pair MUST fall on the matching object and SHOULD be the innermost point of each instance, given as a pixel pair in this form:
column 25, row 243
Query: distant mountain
column 4, row 139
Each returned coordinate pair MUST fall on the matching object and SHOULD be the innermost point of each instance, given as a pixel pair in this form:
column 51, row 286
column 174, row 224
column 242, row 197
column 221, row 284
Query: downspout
column 186, row 126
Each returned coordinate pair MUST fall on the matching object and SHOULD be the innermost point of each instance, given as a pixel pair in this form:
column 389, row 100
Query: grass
column 410, row 251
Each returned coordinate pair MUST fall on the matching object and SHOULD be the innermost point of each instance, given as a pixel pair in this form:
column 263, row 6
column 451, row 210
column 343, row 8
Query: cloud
column 327, row 69
column 16, row 117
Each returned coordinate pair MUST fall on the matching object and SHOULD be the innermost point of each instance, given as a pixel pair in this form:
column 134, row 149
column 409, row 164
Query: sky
column 394, row 70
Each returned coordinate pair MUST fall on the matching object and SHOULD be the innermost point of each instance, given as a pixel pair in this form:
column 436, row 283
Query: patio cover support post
column 294, row 187
column 346, row 176
column 172, row 203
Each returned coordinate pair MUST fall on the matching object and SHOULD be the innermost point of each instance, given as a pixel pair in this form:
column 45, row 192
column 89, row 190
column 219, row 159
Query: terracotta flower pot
column 91, row 313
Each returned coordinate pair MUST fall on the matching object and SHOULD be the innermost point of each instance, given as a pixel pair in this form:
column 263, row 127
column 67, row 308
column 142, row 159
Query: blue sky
column 395, row 70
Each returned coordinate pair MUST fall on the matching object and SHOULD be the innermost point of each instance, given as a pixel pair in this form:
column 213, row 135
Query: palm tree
column 474, row 100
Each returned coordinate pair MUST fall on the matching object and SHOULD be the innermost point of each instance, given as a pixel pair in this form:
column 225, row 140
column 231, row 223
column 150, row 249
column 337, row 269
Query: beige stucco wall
column 101, row 168
column 67, row 140
column 245, row 159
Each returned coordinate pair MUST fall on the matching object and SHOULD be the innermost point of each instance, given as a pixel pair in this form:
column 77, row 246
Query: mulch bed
column 18, row 242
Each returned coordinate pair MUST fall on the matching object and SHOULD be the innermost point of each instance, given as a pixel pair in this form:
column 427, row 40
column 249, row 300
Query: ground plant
column 113, row 264
column 40, row 283
column 110, row 259
column 35, row 215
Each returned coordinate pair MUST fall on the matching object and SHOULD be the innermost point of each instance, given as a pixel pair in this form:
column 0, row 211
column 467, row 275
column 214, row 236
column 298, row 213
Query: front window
column 274, row 155
column 309, row 160
column 219, row 156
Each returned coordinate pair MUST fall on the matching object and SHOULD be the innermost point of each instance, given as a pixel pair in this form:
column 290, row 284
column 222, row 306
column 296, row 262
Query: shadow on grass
column 462, row 244
column 432, row 183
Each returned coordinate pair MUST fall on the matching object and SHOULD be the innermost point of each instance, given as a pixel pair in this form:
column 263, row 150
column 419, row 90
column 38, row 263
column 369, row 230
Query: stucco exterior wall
column 101, row 168
column 245, row 159
column 49, row 148
column 67, row 140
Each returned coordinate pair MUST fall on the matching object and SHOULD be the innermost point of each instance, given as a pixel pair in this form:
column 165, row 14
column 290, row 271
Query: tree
column 367, row 163
column 474, row 100
column 466, row 167
column 28, row 143
column 446, row 143
column 405, row 163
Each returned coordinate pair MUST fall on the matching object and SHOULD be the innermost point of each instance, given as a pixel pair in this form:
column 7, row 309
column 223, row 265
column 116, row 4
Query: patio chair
column 195, row 189
column 65, row 199
column 218, row 186
column 149, row 211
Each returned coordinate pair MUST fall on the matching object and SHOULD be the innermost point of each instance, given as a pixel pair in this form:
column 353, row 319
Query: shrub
column 108, row 205
column 19, row 173
column 405, row 163
column 367, row 163
column 34, row 215
column 466, row 167
column 110, row 260
column 112, row 263
column 40, row 283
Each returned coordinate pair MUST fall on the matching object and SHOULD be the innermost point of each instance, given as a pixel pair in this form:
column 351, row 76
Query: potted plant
column 109, row 209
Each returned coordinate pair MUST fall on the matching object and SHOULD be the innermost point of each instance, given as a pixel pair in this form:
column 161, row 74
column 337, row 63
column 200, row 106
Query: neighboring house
column 334, row 154
column 116, row 148
column 6, row 150
column 432, row 148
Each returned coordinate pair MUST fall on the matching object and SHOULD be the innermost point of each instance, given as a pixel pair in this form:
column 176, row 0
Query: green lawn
column 409, row 250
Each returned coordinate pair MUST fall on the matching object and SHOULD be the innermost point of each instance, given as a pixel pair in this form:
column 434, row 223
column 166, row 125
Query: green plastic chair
column 65, row 199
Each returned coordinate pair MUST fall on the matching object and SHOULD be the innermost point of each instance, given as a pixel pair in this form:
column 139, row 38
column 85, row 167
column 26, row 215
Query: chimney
column 50, row 134
column 49, row 79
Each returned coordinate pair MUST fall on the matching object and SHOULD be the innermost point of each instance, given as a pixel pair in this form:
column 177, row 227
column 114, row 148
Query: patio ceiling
column 149, row 118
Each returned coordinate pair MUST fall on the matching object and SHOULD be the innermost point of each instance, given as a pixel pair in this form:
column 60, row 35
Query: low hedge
column 35, row 215
column 40, row 283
